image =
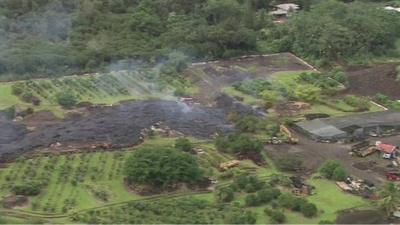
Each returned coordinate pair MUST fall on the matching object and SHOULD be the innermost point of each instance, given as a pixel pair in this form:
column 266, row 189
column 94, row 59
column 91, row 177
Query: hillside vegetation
column 54, row 37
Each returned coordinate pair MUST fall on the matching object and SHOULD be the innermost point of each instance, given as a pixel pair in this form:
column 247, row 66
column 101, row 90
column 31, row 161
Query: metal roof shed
column 322, row 130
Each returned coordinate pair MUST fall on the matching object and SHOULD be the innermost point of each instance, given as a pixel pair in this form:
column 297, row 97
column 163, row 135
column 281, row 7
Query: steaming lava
column 120, row 125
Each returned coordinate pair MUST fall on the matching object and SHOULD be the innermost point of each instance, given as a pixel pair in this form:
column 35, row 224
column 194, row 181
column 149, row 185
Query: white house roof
column 279, row 12
column 390, row 8
column 288, row 6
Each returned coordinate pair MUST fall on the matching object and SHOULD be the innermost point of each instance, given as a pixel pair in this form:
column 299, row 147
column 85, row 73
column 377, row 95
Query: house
column 282, row 11
column 392, row 9
column 388, row 151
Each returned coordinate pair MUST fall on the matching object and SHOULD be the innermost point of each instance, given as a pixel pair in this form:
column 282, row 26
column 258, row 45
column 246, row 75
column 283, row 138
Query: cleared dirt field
column 368, row 81
column 371, row 168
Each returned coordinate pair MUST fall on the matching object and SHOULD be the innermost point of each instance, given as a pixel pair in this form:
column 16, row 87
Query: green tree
column 390, row 194
column 307, row 92
column 162, row 167
column 339, row 174
column 309, row 210
column 251, row 200
column 66, row 99
column 241, row 217
column 333, row 169
column 183, row 144
column 225, row 194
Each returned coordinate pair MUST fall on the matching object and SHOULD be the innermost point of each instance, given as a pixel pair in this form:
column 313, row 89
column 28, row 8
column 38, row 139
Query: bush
column 339, row 174
column 238, row 143
column 162, row 167
column 66, row 99
column 249, row 124
column 290, row 163
column 225, row 194
column 29, row 189
column 17, row 89
column 286, row 200
column 360, row 103
column 248, row 183
column 265, row 196
column 252, row 200
column 277, row 217
column 242, row 217
column 333, row 169
column 309, row 210
column 183, row 144
column 27, row 96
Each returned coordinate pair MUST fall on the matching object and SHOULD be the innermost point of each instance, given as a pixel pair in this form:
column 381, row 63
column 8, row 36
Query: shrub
column 238, row 143
column 298, row 204
column 360, row 103
column 309, row 210
column 333, row 169
column 265, row 196
column 290, row 163
column 225, row 194
column 277, row 217
column 249, row 124
column 286, row 200
column 29, row 189
column 66, row 99
column 339, row 174
column 242, row 217
column 252, row 200
column 183, row 144
column 27, row 96
column 17, row 89
column 248, row 183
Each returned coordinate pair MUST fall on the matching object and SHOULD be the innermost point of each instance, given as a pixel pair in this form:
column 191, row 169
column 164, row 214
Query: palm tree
column 390, row 194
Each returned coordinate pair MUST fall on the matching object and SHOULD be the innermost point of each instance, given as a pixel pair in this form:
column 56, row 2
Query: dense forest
column 55, row 37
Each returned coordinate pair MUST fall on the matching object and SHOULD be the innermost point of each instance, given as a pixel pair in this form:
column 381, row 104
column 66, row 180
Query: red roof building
column 389, row 149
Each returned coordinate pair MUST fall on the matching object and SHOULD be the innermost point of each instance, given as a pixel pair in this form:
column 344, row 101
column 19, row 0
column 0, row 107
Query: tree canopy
column 162, row 167
column 333, row 30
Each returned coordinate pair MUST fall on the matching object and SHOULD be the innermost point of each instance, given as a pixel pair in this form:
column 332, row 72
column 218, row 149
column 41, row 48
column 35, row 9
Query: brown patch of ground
column 368, row 81
column 14, row 201
column 40, row 118
column 362, row 217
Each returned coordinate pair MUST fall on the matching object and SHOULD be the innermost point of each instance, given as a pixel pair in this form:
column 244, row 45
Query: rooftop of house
column 387, row 148
column 288, row 6
column 390, row 8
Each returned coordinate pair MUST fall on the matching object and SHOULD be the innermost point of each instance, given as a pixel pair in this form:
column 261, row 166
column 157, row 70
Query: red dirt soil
column 369, row 81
